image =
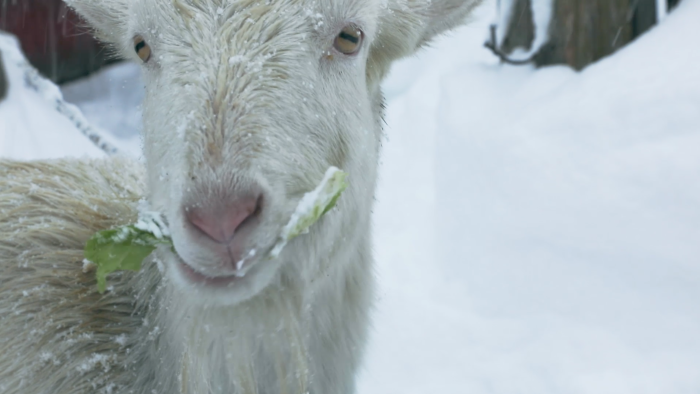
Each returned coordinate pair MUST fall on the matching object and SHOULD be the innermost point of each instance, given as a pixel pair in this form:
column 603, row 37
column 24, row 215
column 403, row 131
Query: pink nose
column 221, row 224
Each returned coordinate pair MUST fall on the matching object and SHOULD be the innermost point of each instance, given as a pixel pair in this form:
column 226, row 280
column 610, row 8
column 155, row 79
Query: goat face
column 247, row 104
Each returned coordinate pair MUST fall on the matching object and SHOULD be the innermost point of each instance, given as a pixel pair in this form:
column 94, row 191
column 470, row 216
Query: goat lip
column 197, row 277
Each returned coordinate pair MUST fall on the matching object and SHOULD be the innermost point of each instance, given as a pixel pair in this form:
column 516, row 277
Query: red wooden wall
column 53, row 38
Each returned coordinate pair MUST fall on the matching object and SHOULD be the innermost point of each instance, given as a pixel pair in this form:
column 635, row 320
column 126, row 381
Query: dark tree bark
column 3, row 79
column 522, row 22
column 53, row 38
column 644, row 17
column 581, row 31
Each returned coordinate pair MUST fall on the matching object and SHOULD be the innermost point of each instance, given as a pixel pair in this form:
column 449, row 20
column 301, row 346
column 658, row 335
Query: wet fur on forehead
column 236, row 55
column 249, row 18
column 397, row 27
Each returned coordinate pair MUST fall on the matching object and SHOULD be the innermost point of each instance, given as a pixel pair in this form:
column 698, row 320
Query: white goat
column 248, row 102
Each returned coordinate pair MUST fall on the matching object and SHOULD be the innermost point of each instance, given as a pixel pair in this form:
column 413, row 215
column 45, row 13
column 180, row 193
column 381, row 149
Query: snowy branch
column 539, row 11
column 492, row 44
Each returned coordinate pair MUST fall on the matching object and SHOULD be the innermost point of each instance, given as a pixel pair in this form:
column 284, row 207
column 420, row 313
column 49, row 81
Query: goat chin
column 301, row 333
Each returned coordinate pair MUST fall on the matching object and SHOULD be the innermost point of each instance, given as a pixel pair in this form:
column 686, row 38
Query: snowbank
column 111, row 100
column 35, row 121
column 539, row 231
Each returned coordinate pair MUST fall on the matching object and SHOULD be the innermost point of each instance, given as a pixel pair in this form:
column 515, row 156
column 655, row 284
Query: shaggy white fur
column 241, row 95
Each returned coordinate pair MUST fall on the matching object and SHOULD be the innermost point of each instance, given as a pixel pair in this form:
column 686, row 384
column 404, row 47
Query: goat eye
column 349, row 40
column 142, row 49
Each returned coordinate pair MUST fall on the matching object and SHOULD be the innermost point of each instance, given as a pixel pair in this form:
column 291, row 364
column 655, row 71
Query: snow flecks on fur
column 151, row 221
column 96, row 361
column 69, row 340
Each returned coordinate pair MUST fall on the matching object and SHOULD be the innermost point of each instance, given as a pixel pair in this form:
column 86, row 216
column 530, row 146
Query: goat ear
column 445, row 14
column 407, row 25
column 107, row 17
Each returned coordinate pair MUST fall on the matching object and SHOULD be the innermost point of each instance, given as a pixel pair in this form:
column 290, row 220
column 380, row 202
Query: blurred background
column 53, row 38
column 548, row 157
column 60, row 46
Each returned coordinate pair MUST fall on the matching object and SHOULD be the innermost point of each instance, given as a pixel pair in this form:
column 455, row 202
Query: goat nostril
column 221, row 224
column 254, row 214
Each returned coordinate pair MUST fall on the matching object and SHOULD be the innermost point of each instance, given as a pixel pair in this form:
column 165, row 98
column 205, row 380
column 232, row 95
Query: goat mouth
column 200, row 278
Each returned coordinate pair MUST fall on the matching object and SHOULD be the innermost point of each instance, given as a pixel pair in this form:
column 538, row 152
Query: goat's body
column 58, row 335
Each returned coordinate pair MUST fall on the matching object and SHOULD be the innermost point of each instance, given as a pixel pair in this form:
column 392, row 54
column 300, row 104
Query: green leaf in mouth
column 125, row 248
column 120, row 249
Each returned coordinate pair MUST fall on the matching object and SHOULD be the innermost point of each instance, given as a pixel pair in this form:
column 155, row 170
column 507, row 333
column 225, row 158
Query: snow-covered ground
column 537, row 231
column 30, row 126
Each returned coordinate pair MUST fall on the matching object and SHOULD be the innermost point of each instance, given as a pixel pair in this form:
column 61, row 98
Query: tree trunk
column 644, row 17
column 521, row 22
column 581, row 31
column 3, row 79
